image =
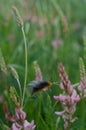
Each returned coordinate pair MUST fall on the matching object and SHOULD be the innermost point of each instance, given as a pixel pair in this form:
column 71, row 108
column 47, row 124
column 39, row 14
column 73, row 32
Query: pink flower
column 80, row 88
column 29, row 126
column 20, row 115
column 26, row 126
column 75, row 97
column 60, row 113
column 20, row 122
column 68, row 100
column 61, row 98
column 16, row 126
column 65, row 83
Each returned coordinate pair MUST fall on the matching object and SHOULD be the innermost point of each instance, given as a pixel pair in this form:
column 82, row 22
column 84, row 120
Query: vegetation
column 50, row 33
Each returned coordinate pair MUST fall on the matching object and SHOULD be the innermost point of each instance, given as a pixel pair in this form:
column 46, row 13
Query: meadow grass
column 55, row 32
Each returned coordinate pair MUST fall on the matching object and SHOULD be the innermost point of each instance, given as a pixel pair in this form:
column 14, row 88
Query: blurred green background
column 56, row 32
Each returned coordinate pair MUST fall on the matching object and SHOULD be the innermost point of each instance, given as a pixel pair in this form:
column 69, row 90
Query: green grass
column 47, row 16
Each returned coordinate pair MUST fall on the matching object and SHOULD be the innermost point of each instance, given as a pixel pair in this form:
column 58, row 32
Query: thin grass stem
column 20, row 89
column 25, row 80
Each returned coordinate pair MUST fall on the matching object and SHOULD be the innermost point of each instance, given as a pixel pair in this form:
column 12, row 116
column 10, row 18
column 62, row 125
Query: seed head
column 18, row 17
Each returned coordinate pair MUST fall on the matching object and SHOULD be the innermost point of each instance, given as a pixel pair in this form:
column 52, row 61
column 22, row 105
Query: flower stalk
column 25, row 80
column 20, row 24
column 68, row 99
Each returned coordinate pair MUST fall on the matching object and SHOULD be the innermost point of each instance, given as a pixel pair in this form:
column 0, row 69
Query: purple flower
column 29, row 126
column 65, row 83
column 75, row 97
column 20, row 122
column 16, row 126
column 20, row 115
column 61, row 98
column 60, row 113
column 68, row 100
column 26, row 126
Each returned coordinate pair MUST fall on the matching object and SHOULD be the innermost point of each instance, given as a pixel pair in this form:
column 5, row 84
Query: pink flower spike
column 69, row 98
column 20, row 115
column 16, row 126
column 29, row 126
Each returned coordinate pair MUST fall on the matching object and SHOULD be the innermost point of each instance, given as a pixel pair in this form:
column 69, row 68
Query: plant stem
column 25, row 80
column 20, row 89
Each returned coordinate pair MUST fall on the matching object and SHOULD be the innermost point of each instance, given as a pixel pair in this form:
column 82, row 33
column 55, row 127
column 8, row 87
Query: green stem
column 25, row 80
column 57, row 122
column 19, row 88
